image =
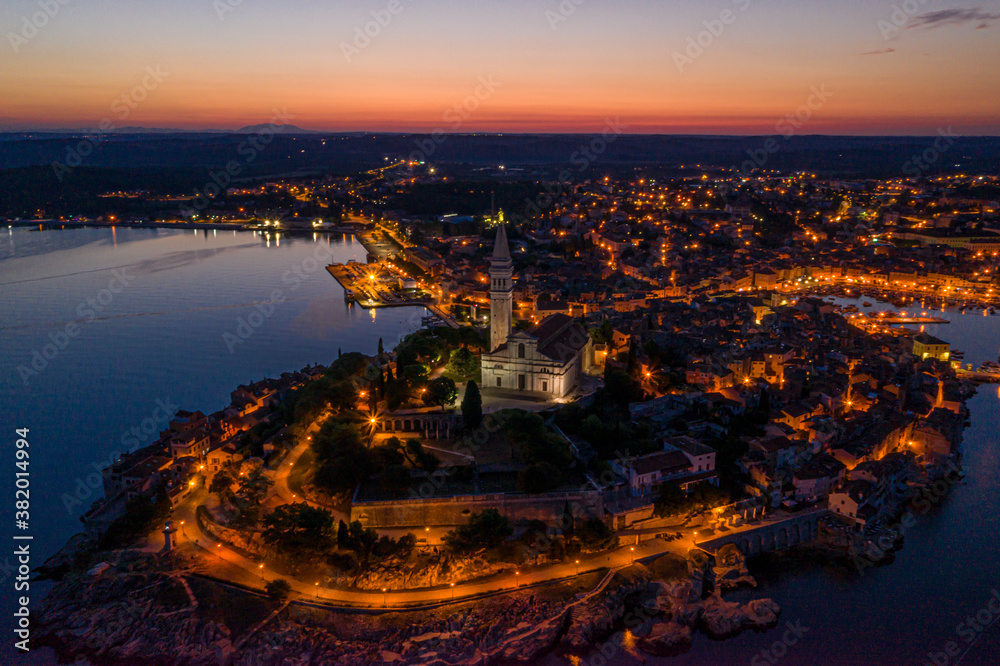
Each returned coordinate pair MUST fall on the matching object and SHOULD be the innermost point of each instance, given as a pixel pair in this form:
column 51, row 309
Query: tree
column 463, row 362
column 484, row 530
column 442, row 391
column 567, row 519
column 620, row 387
column 342, row 536
column 278, row 589
column 381, row 350
column 221, row 483
column 406, row 544
column 595, row 533
column 472, row 406
column 299, row 528
column 764, row 403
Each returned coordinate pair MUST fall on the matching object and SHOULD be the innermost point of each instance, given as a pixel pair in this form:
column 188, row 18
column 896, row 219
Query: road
column 226, row 564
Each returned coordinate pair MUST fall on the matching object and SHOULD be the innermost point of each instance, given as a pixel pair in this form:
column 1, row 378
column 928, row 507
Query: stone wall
column 770, row 536
column 451, row 511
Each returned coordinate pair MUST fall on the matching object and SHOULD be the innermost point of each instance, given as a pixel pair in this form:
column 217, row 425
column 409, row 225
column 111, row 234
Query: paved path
column 226, row 564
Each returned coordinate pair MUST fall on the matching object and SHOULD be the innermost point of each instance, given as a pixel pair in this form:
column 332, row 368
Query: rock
column 588, row 624
column 722, row 619
column 528, row 647
column 763, row 612
column 666, row 639
column 731, row 570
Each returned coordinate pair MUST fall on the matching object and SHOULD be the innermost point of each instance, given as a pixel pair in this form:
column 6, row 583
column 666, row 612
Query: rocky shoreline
column 161, row 609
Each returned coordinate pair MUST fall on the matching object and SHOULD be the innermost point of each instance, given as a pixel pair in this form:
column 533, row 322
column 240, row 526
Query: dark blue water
column 99, row 327
column 947, row 571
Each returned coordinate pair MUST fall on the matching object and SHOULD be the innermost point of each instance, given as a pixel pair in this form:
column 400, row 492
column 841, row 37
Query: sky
column 862, row 67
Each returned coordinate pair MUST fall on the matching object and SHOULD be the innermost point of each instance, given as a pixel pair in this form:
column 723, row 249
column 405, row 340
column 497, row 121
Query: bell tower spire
column 501, row 288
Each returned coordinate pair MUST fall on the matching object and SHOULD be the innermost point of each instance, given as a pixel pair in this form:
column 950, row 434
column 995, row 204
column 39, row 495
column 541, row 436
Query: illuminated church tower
column 501, row 289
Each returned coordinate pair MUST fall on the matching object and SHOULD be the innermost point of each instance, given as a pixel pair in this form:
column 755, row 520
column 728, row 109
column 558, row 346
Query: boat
column 866, row 304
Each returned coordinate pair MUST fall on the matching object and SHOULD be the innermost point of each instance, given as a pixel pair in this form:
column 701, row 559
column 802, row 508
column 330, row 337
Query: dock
column 981, row 377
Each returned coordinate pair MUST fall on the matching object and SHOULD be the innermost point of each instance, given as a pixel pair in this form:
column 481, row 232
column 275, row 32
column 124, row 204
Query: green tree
column 441, row 391
column 299, row 528
column 487, row 529
column 472, row 406
column 463, row 362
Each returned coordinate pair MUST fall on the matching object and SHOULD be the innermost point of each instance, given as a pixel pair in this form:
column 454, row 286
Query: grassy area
column 302, row 471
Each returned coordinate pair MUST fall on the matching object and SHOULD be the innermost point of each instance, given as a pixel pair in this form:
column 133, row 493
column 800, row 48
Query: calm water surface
column 163, row 328
column 99, row 327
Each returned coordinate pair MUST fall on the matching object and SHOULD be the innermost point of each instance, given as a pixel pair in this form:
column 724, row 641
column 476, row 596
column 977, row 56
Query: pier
column 981, row 377
column 776, row 532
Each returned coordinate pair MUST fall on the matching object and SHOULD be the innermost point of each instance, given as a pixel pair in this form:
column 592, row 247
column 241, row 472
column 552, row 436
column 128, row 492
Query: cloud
column 954, row 17
column 879, row 52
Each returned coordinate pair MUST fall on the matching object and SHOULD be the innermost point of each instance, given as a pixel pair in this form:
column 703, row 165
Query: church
column 545, row 362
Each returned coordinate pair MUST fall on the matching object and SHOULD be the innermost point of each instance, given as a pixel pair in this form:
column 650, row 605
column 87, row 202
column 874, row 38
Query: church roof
column 559, row 337
column 501, row 249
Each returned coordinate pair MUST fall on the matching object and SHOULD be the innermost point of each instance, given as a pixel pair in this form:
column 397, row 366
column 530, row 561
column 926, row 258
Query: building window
column 521, row 382
column 545, row 386
column 520, row 351
column 498, row 381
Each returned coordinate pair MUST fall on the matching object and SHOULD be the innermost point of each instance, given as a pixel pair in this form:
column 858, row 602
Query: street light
column 578, row 567
column 517, row 580
column 261, row 567
column 384, row 597
column 632, row 549
column 317, row 589
column 452, row 591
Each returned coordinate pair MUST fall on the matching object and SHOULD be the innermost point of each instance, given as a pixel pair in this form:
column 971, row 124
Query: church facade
column 545, row 362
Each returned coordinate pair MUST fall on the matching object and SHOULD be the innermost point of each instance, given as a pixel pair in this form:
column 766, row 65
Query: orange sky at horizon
column 232, row 73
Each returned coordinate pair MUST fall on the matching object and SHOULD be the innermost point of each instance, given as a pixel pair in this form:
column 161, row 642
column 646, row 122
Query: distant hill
column 295, row 149
column 285, row 129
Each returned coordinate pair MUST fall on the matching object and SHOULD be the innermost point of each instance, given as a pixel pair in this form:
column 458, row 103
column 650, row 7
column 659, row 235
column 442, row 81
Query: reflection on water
column 161, row 337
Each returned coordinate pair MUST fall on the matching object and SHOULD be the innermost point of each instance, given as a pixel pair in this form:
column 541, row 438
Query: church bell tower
column 501, row 289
